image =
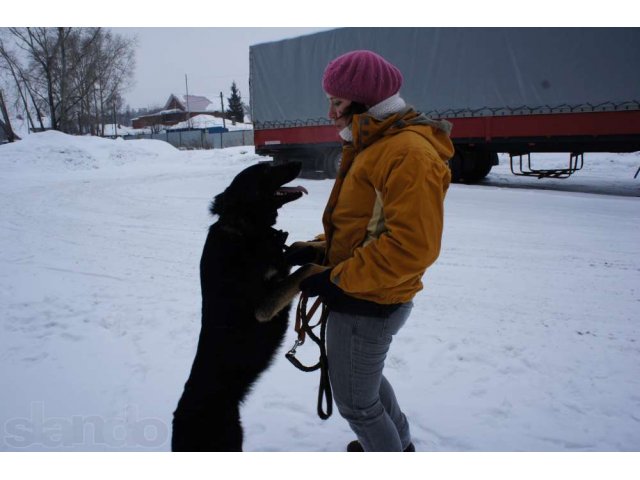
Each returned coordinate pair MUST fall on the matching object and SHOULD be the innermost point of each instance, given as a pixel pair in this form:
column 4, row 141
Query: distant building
column 177, row 109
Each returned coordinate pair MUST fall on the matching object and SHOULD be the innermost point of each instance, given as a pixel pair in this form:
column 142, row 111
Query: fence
column 199, row 139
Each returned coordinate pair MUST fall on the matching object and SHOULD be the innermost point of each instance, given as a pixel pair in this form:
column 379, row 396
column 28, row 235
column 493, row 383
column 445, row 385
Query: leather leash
column 302, row 327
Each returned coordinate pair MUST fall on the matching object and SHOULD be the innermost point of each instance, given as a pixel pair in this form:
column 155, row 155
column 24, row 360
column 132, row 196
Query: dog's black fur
column 242, row 263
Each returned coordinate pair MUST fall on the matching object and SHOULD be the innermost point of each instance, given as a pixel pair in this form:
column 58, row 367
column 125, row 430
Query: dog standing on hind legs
column 246, row 292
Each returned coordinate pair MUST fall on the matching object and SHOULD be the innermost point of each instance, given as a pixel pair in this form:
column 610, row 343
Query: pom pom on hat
column 361, row 76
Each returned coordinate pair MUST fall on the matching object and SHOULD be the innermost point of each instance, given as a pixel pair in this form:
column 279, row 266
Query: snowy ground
column 526, row 337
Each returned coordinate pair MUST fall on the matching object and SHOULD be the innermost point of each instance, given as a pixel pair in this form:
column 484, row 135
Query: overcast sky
column 210, row 57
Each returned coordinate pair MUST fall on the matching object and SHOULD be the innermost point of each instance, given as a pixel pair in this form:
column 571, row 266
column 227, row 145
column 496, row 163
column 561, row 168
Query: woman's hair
column 355, row 108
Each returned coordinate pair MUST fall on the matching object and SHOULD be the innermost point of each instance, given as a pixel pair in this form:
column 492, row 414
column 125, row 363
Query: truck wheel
column 332, row 162
column 455, row 165
column 471, row 166
column 482, row 163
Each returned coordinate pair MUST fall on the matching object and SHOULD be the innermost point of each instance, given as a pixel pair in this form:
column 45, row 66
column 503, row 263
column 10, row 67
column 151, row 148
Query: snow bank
column 53, row 151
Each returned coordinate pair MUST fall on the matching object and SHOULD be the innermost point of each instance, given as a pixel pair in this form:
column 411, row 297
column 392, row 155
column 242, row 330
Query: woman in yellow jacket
column 382, row 228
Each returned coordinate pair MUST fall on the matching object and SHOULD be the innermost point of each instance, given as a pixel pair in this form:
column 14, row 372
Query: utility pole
column 224, row 124
column 186, row 82
column 115, row 119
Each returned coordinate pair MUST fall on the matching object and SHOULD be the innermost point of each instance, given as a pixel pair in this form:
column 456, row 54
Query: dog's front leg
column 284, row 292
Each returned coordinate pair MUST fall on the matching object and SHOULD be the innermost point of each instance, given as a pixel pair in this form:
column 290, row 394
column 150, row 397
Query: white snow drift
column 525, row 338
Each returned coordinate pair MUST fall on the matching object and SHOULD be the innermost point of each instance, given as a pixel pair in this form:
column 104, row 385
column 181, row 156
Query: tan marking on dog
column 285, row 292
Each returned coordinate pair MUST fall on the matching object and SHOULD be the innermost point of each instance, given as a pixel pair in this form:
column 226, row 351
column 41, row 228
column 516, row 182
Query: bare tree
column 6, row 126
column 77, row 74
column 41, row 47
column 9, row 63
column 115, row 71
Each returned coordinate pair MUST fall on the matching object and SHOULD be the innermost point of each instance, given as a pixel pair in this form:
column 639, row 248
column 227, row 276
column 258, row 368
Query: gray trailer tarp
column 457, row 71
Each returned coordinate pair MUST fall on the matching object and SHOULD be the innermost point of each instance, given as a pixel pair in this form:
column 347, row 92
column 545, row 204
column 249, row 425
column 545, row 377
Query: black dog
column 242, row 265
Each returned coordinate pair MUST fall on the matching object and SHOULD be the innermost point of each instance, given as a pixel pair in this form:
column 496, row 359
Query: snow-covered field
column 526, row 337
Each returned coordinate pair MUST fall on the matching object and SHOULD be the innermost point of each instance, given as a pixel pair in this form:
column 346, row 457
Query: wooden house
column 177, row 108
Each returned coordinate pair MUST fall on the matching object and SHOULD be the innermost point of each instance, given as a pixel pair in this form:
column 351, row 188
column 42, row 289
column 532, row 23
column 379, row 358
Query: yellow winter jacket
column 384, row 218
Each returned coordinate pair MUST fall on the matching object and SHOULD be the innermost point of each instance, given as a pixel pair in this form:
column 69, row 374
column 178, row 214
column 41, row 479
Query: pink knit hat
column 361, row 76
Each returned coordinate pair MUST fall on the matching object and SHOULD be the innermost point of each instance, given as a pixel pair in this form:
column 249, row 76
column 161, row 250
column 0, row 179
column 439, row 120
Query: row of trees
column 74, row 76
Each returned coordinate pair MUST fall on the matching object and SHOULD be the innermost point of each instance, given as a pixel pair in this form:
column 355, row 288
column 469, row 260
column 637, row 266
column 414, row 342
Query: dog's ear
column 231, row 200
column 217, row 204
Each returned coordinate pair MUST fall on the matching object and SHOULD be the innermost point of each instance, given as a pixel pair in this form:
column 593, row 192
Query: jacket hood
column 367, row 129
column 437, row 132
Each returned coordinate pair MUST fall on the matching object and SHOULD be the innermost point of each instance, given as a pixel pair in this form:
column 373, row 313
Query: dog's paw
column 264, row 314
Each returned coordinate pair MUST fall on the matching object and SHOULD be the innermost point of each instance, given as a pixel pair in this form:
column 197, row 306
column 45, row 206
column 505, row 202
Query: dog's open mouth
column 288, row 194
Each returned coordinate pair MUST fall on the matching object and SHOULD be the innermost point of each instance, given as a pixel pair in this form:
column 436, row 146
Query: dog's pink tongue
column 294, row 190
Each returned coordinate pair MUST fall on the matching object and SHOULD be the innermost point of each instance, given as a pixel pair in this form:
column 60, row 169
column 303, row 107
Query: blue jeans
column 356, row 349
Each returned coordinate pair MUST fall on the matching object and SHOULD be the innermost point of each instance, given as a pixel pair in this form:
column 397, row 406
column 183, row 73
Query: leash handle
column 302, row 327
column 324, row 390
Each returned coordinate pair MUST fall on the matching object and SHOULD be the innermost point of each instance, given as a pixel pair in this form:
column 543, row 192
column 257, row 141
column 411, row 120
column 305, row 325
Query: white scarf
column 382, row 110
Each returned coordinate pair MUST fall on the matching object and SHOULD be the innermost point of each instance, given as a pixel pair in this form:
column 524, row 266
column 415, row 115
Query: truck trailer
column 505, row 90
